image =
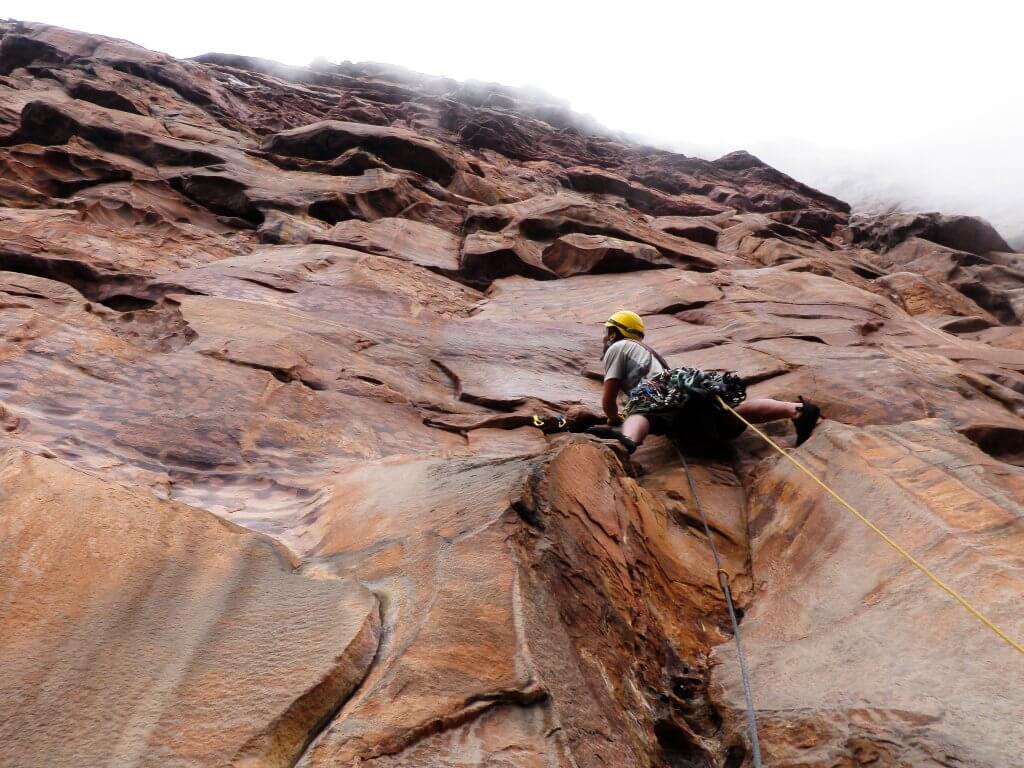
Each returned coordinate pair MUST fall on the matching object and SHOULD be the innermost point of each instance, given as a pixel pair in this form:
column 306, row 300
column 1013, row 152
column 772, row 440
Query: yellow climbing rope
column 885, row 537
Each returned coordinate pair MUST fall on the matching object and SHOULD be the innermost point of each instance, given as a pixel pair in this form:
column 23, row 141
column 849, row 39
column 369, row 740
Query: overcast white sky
column 916, row 100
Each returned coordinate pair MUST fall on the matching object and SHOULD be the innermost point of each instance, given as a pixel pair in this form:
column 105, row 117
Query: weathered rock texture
column 271, row 492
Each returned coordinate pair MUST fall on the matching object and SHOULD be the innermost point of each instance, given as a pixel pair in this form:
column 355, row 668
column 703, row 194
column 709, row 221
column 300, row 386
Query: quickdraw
column 550, row 423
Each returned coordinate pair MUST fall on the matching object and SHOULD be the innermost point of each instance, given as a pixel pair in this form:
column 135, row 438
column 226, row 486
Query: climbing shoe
column 806, row 420
column 611, row 433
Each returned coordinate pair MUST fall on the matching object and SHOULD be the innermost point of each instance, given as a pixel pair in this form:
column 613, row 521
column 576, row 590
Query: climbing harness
column 885, row 537
column 723, row 582
column 673, row 388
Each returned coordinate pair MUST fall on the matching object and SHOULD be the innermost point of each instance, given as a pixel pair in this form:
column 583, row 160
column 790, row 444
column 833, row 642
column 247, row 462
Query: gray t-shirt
column 630, row 363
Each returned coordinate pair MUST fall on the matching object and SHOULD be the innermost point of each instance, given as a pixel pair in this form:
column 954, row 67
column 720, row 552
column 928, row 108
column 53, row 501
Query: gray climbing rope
column 723, row 581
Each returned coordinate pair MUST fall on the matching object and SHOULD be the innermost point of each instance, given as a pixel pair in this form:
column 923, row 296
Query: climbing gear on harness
column 549, row 424
column 548, row 421
column 630, row 324
column 723, row 582
column 612, row 434
column 806, row 421
column 886, row 538
column 670, row 390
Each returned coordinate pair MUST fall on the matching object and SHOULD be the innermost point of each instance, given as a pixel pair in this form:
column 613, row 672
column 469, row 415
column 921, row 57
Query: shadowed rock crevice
column 679, row 748
column 348, row 691
column 46, row 123
column 285, row 740
column 285, row 375
column 330, row 139
column 218, row 193
column 103, row 97
column 1002, row 443
column 118, row 291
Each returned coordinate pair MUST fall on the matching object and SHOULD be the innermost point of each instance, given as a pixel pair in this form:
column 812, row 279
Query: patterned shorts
column 683, row 402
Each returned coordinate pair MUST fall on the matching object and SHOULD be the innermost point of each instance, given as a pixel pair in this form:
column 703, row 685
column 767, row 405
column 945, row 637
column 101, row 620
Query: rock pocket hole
column 687, row 688
column 125, row 303
column 1002, row 443
column 678, row 747
column 330, row 211
column 735, row 756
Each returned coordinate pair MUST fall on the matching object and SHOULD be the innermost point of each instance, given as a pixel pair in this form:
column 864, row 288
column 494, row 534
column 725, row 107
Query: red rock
column 157, row 621
column 413, row 241
column 543, row 219
column 346, row 476
column 960, row 233
column 103, row 97
column 353, row 162
column 920, row 295
column 281, row 228
column 819, row 654
column 58, row 172
column 24, row 45
column 824, row 222
column 247, row 191
column 700, row 230
column 760, row 226
column 74, row 246
column 993, row 281
column 581, row 254
column 598, row 181
column 487, row 256
column 327, row 140
column 754, row 171
column 46, row 123
column 849, row 266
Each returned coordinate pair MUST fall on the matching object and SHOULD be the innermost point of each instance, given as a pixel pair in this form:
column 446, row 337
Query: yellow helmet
column 629, row 324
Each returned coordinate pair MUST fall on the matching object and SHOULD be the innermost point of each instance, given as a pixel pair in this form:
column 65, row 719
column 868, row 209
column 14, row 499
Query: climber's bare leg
column 762, row 409
column 636, row 428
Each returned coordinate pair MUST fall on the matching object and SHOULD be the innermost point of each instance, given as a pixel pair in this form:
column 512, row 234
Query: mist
column 962, row 175
column 910, row 104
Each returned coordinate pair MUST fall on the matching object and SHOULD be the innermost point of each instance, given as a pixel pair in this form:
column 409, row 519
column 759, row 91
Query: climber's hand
column 609, row 403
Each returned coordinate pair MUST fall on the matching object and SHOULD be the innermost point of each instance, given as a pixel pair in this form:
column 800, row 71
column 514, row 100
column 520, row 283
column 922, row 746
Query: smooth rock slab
column 145, row 633
column 853, row 652
column 423, row 244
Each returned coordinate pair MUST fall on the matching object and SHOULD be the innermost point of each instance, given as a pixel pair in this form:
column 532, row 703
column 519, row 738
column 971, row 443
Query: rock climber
column 678, row 402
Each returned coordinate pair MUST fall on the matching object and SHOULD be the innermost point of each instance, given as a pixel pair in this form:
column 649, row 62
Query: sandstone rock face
column 994, row 281
column 143, row 632
column 284, row 353
column 962, row 233
column 804, row 653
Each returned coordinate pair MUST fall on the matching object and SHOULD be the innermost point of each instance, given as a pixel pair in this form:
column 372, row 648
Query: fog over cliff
column 887, row 104
column 980, row 180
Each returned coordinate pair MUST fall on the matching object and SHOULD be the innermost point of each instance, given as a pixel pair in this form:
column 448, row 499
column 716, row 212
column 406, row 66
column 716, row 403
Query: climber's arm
column 609, row 401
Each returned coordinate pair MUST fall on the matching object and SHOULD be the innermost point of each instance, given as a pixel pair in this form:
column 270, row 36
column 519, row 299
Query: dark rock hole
column 735, row 756
column 125, row 303
column 330, row 211
column 678, row 747
column 1003, row 443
